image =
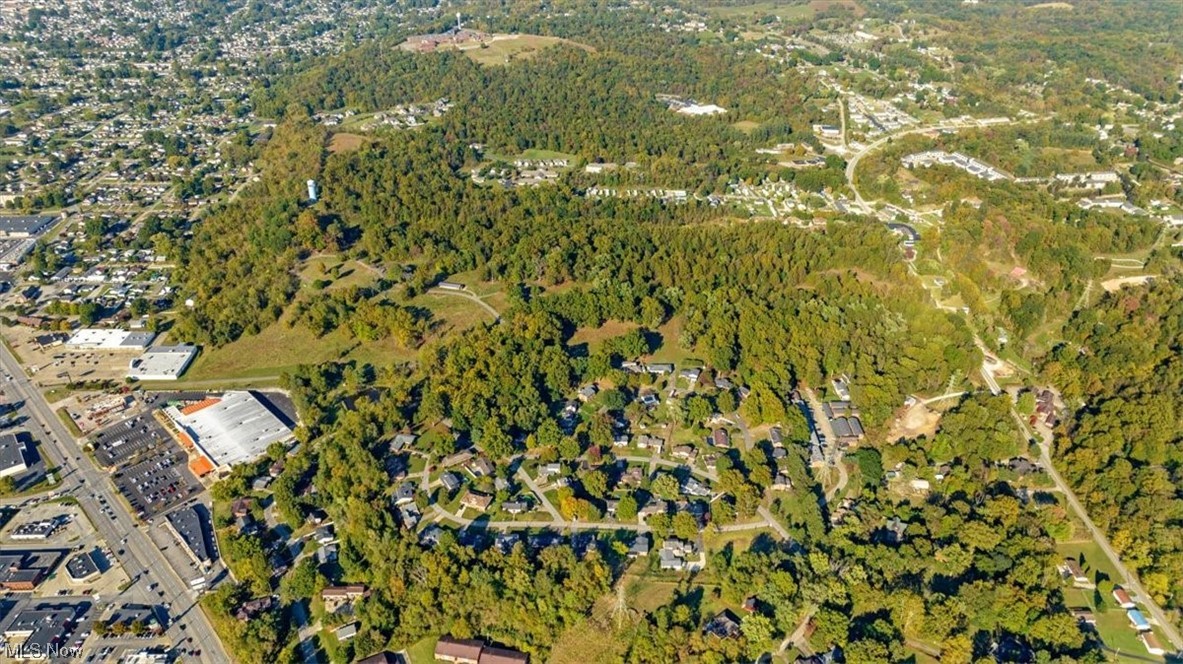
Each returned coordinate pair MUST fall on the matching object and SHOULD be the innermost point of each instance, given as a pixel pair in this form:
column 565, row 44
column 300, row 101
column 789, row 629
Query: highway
column 141, row 559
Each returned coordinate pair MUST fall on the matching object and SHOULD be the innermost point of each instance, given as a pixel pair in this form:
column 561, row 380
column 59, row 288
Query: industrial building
column 92, row 338
column 161, row 363
column 226, row 430
column 22, row 226
column 12, row 455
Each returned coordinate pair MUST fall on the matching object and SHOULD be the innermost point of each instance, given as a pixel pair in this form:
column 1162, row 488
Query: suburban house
column 1072, row 570
column 405, row 493
column 472, row 651
column 1123, row 598
column 461, row 651
column 476, row 500
column 1138, row 620
column 719, row 438
column 450, row 481
column 1152, row 645
column 335, row 597
column 640, row 546
column 675, row 555
column 724, row 625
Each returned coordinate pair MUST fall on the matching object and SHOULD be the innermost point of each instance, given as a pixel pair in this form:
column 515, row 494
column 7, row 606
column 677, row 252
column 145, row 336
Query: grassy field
column 281, row 347
column 422, row 652
column 532, row 154
column 594, row 336
column 746, row 126
column 344, row 142
column 341, row 274
column 787, row 11
column 671, row 350
column 504, row 49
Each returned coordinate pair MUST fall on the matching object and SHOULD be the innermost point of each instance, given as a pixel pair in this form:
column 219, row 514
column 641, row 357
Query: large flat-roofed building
column 24, row 570
column 161, row 363
column 28, row 225
column 189, row 526
column 93, row 338
column 229, row 429
column 12, row 455
column 32, row 631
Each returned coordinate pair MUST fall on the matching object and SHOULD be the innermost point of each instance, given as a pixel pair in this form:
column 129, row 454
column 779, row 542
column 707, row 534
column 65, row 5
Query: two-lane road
column 140, row 557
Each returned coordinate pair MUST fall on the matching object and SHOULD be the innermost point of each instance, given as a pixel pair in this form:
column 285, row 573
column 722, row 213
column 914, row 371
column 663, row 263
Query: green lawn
column 422, row 652
column 1115, row 630
column 786, row 11
column 68, row 422
column 1094, row 560
column 504, row 49
column 280, row 348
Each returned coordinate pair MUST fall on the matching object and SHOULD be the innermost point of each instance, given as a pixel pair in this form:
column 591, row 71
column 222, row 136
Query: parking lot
column 157, row 484
column 129, row 439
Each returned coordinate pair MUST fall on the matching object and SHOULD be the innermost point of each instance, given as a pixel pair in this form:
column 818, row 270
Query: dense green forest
column 1120, row 370
column 964, row 567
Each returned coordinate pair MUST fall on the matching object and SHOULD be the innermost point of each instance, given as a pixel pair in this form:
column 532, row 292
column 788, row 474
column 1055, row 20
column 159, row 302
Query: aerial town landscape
column 788, row 331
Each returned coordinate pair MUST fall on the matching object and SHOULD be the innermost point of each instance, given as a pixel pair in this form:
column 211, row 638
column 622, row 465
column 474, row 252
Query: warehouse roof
column 230, row 429
column 109, row 339
column 161, row 363
column 12, row 455
column 28, row 224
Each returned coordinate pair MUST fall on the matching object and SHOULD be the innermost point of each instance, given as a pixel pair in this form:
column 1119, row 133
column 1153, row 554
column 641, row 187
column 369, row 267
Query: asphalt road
column 140, row 558
column 954, row 125
column 1128, row 580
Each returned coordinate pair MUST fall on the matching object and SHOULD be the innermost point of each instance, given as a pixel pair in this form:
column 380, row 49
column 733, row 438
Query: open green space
column 787, row 11
column 422, row 651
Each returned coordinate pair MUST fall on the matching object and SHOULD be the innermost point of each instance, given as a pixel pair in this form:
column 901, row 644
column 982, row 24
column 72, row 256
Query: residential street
column 1128, row 579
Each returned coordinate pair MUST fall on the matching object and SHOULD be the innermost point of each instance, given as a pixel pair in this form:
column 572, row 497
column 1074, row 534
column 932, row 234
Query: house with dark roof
column 491, row 655
column 1072, row 570
column 515, row 506
column 777, row 437
column 640, row 546
column 405, row 493
column 450, row 481
column 724, row 625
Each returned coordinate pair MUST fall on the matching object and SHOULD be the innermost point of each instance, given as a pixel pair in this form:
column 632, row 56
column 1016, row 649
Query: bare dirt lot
column 916, row 421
